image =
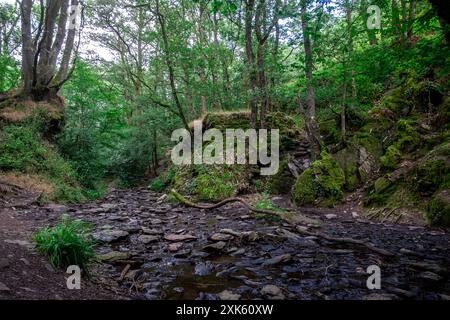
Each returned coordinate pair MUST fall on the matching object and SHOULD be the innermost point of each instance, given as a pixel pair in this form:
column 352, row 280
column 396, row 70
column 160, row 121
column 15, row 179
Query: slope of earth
column 157, row 250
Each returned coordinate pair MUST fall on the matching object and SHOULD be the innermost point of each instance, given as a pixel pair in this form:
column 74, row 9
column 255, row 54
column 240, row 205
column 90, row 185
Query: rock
column 203, row 268
column 22, row 243
column 108, row 206
column 147, row 239
column 173, row 247
column 110, row 235
column 4, row 263
column 221, row 237
column 227, row 272
column 250, row 235
column 331, row 216
column 4, row 288
column 151, row 231
column 278, row 259
column 228, row 295
column 113, row 256
column 155, row 221
column 218, row 246
column 179, row 237
column 428, row 266
column 380, row 296
column 430, row 276
column 238, row 252
column 182, row 254
column 231, row 232
column 355, row 214
column 272, row 292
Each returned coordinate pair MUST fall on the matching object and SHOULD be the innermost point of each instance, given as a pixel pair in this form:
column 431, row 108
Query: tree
column 45, row 65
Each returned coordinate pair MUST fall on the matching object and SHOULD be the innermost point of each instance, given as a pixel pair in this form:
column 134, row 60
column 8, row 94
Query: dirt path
column 172, row 252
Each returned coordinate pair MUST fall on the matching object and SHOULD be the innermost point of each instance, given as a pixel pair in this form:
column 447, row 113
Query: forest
column 93, row 92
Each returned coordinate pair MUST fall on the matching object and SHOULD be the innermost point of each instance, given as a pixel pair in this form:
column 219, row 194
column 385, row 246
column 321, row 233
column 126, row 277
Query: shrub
column 67, row 243
column 157, row 185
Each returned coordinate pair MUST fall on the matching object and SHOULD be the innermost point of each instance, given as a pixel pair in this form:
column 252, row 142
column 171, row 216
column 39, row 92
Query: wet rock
column 278, row 259
column 110, row 235
column 427, row 266
column 238, row 252
column 151, row 231
column 179, row 237
column 231, row 232
column 218, row 246
column 182, row 254
column 380, row 296
column 155, row 221
column 331, row 216
column 173, row 247
column 146, row 239
column 272, row 292
column 221, row 237
column 430, row 276
column 108, row 206
column 251, row 235
column 4, row 263
column 4, row 288
column 113, row 256
column 204, row 268
column 227, row 272
column 228, row 295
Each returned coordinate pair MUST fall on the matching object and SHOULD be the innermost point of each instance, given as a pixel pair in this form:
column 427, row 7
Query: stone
column 108, row 206
column 278, row 259
column 430, row 276
column 231, row 232
column 272, row 292
column 173, row 247
column 151, row 231
column 380, row 296
column 203, row 269
column 110, row 235
column 146, row 239
column 180, row 237
column 22, row 243
column 218, row 246
column 155, row 221
column 113, row 256
column 228, row 295
column 4, row 288
column 4, row 263
column 251, row 235
column 331, row 216
column 221, row 237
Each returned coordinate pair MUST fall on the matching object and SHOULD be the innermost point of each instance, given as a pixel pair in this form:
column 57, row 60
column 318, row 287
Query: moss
column 282, row 181
column 391, row 158
column 330, row 131
column 397, row 102
column 438, row 213
column 347, row 159
column 322, row 183
column 380, row 191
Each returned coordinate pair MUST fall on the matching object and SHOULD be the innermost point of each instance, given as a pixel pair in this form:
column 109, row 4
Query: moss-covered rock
column 347, row 159
column 439, row 209
column 322, row 183
column 282, row 182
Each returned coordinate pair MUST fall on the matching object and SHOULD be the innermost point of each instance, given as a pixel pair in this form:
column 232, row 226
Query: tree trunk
column 27, row 46
column 249, row 12
column 311, row 99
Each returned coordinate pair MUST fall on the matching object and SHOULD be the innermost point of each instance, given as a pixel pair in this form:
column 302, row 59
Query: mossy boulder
column 439, row 209
column 212, row 182
column 347, row 159
column 282, row 182
column 322, row 183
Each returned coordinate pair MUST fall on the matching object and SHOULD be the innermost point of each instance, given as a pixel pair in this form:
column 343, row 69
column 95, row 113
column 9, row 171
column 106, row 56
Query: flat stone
column 231, row 232
column 228, row 295
column 113, row 256
column 431, row 276
column 151, row 231
column 110, row 235
column 179, row 237
column 251, row 235
column 22, row 243
column 147, row 239
column 278, row 259
column 272, row 292
column 221, row 237
column 4, row 263
column 4, row 288
column 331, row 216
column 380, row 296
column 173, row 247
column 218, row 246
column 155, row 221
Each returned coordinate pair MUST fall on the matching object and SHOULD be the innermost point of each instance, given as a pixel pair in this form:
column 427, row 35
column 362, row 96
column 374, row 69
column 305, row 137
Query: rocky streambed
column 152, row 249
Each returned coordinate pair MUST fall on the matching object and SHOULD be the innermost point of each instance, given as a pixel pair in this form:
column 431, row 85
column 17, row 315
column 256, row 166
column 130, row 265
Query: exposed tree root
column 347, row 241
column 288, row 216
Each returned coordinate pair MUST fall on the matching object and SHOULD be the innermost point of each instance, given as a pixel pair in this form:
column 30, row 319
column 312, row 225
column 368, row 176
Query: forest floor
column 152, row 249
